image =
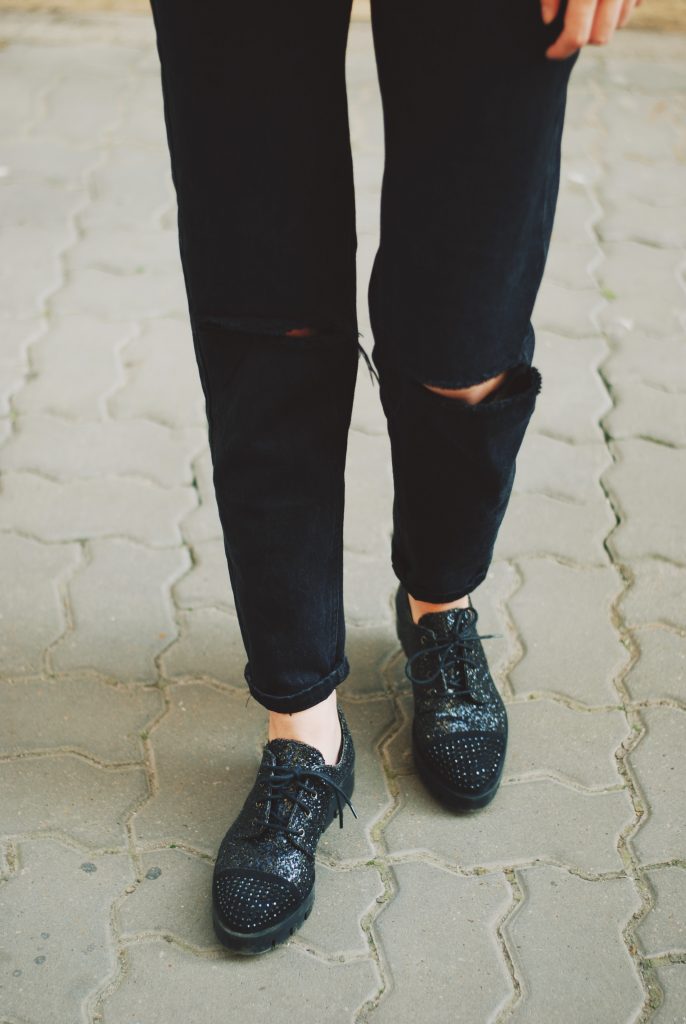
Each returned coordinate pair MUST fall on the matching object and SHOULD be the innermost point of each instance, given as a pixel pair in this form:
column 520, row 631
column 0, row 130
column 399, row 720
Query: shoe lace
column 450, row 654
column 278, row 786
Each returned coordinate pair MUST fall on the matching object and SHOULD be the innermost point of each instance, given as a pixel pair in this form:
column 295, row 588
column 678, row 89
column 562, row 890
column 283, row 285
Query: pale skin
column 585, row 21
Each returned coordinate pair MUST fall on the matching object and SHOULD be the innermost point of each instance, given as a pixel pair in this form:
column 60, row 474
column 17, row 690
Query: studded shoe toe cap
column 250, row 901
column 468, row 763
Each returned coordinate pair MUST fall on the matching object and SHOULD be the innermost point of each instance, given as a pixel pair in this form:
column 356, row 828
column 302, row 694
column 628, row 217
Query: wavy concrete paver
column 657, row 762
column 439, row 934
column 564, row 601
column 61, row 946
column 122, row 614
column 32, row 611
column 663, row 930
column 70, row 795
column 76, row 713
column 565, row 917
column 163, row 983
column 530, row 821
column 660, row 672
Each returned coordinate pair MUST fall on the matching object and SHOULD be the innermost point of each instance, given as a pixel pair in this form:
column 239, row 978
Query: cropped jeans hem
column 290, row 703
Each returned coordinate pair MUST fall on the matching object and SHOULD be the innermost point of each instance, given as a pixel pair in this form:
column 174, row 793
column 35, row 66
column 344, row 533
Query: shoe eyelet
column 300, row 832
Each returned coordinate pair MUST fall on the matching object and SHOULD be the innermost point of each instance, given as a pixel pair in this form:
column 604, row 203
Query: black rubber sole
column 267, row 939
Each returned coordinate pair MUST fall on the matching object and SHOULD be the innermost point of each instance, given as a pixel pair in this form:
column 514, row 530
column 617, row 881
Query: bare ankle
column 419, row 608
column 318, row 726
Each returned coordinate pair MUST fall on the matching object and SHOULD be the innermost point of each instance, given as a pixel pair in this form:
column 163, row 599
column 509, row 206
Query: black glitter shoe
column 263, row 885
column 459, row 731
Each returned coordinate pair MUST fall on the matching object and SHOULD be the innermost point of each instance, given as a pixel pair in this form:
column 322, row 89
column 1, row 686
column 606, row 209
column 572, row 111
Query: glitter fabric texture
column 459, row 730
column 263, row 884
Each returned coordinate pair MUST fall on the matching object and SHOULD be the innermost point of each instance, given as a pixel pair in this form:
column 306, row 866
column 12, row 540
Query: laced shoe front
column 459, row 730
column 263, row 884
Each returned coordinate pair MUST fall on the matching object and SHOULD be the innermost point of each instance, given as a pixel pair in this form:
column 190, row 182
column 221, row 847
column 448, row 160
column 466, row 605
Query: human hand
column 586, row 21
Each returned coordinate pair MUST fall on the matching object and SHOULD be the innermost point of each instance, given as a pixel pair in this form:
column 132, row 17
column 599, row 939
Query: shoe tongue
column 445, row 624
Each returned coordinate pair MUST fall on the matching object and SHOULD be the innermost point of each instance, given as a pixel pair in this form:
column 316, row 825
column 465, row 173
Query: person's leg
column 473, row 114
column 256, row 115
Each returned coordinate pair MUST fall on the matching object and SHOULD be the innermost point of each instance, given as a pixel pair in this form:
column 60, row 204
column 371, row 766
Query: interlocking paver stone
column 537, row 524
column 206, row 753
column 209, row 645
column 368, row 650
column 164, row 351
column 550, row 466
column 565, row 311
column 61, row 949
column 67, row 794
column 656, row 594
column 164, row 983
column 645, row 481
column 30, row 268
column 626, row 219
column 74, row 366
column 15, row 338
column 66, row 449
column 556, row 936
column 645, row 284
column 133, row 249
column 76, row 712
column 122, row 615
column 207, row 582
column 528, row 821
column 657, row 182
column 658, row 362
column 572, row 396
column 203, row 522
column 587, row 652
column 660, row 672
column 369, row 493
column 672, row 979
column 663, row 929
column 31, row 610
column 646, row 411
column 113, row 296
column 128, row 189
column 126, row 507
column 657, row 762
column 439, row 934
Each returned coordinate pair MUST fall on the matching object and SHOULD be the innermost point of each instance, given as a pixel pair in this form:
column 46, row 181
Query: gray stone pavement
column 126, row 740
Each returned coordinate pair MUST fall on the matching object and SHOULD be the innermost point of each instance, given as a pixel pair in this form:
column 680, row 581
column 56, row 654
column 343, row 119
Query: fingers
column 549, row 9
column 627, row 8
column 586, row 21
column 605, row 21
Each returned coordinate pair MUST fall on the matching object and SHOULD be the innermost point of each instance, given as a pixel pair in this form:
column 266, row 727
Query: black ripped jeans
column 256, row 114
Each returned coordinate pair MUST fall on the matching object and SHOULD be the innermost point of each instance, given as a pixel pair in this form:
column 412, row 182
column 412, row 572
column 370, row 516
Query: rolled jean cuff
column 302, row 700
column 470, row 581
